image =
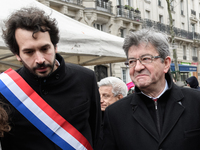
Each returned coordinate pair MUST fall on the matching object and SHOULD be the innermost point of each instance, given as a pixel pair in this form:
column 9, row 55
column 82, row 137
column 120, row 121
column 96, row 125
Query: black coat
column 128, row 124
column 72, row 91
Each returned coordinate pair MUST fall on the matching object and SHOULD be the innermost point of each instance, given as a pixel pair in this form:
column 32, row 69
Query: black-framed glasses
column 145, row 59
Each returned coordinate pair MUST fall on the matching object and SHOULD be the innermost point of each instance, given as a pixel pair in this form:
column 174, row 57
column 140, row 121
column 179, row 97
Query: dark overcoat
column 128, row 124
column 72, row 91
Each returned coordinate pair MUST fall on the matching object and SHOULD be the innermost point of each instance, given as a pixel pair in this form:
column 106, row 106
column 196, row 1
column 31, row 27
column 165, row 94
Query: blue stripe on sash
column 32, row 118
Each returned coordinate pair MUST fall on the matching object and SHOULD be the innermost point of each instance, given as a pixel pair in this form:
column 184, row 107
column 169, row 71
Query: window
column 124, row 75
column 172, row 5
column 173, row 22
column 128, row 2
column 199, row 8
column 100, row 72
column 182, row 7
column 119, row 2
column 184, row 76
column 183, row 25
column 98, row 26
column 194, row 52
column 122, row 33
column 161, row 18
column 147, row 14
column 192, row 27
column 159, row 3
column 192, row 4
column 184, row 53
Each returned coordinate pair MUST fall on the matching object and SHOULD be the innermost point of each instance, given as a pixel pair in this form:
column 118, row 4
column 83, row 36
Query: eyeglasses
column 145, row 59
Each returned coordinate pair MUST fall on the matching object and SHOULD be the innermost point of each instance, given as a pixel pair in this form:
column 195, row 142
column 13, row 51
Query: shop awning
column 184, row 68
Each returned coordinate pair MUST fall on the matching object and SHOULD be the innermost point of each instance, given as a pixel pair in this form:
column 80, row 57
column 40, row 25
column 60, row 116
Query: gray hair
column 118, row 86
column 146, row 36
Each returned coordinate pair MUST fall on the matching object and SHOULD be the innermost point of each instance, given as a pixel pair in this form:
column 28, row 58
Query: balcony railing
column 129, row 14
column 104, row 6
column 166, row 29
column 78, row 2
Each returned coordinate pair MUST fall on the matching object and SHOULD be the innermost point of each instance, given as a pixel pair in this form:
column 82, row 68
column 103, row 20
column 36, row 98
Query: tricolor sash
column 17, row 91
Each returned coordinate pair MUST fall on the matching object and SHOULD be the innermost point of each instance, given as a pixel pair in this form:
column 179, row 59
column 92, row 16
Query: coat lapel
column 143, row 117
column 173, row 111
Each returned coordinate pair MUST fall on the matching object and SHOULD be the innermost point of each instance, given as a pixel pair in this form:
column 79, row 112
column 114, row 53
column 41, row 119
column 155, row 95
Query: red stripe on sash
column 48, row 109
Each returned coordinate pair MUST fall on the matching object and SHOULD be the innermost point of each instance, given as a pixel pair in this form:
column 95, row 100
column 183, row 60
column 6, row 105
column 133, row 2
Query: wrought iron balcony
column 104, row 6
column 166, row 29
column 78, row 2
column 123, row 11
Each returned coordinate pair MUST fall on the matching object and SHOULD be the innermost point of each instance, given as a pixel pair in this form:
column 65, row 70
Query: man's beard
column 33, row 70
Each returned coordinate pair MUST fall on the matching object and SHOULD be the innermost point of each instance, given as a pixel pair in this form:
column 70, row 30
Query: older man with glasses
column 159, row 114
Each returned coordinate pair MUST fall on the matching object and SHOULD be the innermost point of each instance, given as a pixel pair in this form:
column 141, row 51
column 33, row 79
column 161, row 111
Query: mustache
column 43, row 65
column 141, row 72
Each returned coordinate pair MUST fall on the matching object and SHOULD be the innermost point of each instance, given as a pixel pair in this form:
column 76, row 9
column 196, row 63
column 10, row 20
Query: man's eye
column 146, row 58
column 106, row 96
column 28, row 52
column 44, row 49
column 131, row 61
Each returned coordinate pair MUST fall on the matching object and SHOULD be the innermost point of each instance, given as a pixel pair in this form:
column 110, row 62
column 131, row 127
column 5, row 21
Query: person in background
column 111, row 89
column 54, row 105
column 193, row 82
column 159, row 114
column 131, row 87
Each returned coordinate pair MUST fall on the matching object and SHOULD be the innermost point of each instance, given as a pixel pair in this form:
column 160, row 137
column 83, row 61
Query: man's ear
column 18, row 58
column 119, row 96
column 167, row 63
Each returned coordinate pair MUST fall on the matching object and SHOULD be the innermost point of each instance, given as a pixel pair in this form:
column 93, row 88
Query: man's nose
column 101, row 99
column 39, row 58
column 138, row 65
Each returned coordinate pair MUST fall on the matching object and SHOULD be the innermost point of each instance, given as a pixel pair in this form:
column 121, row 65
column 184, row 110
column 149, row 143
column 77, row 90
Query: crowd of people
column 49, row 105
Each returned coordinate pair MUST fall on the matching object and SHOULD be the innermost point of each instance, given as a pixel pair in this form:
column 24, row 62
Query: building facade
column 119, row 17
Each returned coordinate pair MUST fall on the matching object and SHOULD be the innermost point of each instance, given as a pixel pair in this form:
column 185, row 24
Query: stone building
column 119, row 17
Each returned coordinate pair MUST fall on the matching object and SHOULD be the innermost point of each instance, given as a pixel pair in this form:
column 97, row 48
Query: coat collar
column 173, row 110
column 173, row 90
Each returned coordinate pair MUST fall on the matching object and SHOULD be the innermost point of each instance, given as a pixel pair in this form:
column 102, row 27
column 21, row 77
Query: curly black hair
column 31, row 19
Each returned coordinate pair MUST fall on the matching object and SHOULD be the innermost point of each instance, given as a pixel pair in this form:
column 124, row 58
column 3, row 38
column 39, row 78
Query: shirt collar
column 166, row 87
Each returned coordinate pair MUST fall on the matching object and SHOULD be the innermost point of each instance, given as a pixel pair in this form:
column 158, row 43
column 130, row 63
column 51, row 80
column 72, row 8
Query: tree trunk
column 177, row 72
